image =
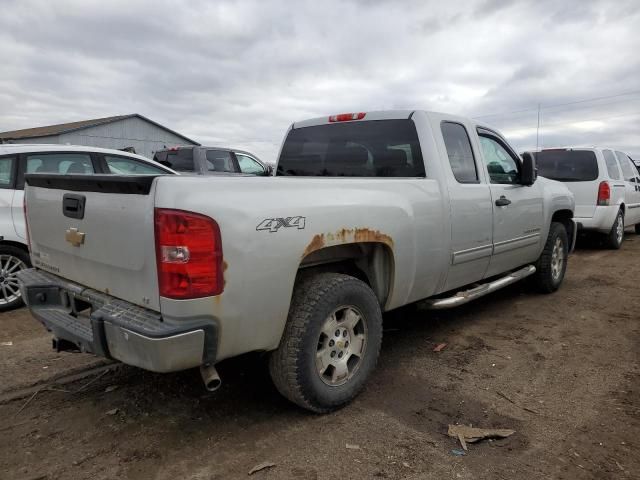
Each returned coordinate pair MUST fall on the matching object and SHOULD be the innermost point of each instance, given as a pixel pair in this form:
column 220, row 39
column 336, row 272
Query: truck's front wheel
column 331, row 342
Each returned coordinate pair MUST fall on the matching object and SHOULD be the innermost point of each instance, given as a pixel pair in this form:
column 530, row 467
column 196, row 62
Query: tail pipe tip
column 210, row 377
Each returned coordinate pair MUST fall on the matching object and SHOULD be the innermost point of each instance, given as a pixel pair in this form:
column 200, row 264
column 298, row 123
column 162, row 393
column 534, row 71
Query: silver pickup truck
column 367, row 212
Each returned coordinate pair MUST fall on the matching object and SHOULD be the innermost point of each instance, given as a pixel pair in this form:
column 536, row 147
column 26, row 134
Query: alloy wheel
column 341, row 345
column 9, row 287
column 557, row 259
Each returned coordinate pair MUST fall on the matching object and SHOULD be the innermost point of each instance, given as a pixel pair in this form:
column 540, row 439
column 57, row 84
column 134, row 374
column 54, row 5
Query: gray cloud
column 238, row 73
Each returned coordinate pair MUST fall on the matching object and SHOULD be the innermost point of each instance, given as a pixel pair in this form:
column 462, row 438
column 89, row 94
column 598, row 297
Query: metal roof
column 73, row 126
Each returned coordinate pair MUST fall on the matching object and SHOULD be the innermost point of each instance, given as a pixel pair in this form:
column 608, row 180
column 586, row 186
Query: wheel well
column 370, row 262
column 14, row 244
column 564, row 217
column 622, row 207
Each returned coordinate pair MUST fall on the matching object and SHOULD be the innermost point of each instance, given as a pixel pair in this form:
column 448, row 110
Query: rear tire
column 12, row 260
column 616, row 236
column 552, row 264
column 637, row 227
column 331, row 342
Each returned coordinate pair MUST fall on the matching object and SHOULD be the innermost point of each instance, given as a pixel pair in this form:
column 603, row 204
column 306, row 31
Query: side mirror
column 529, row 171
column 268, row 170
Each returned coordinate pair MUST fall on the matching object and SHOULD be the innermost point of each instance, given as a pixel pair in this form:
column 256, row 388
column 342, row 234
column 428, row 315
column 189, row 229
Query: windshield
column 567, row 165
column 380, row 148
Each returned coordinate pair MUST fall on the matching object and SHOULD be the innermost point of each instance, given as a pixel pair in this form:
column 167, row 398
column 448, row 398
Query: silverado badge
column 74, row 237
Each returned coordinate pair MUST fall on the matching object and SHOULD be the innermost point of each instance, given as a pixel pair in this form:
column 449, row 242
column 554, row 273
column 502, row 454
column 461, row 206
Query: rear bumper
column 104, row 325
column 602, row 219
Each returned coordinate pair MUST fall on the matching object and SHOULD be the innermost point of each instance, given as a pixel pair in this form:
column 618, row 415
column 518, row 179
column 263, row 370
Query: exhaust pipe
column 210, row 377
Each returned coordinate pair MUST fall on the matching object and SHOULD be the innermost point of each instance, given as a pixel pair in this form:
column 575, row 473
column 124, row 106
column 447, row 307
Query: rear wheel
column 616, row 235
column 12, row 260
column 552, row 264
column 331, row 342
column 637, row 228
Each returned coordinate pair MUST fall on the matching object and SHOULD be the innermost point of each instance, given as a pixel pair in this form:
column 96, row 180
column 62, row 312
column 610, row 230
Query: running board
column 465, row 296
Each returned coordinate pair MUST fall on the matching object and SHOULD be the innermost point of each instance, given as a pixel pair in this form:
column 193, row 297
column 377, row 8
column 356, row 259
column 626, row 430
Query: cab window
column 64, row 163
column 459, row 151
column 6, row 171
column 502, row 166
column 249, row 165
column 129, row 166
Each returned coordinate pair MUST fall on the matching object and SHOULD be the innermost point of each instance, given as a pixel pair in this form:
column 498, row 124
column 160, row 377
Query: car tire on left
column 12, row 260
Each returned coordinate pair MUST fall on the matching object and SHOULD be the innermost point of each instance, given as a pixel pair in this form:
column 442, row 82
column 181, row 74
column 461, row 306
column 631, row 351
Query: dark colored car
column 212, row 161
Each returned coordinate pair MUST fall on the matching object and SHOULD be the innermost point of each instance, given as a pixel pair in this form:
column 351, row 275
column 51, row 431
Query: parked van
column 605, row 183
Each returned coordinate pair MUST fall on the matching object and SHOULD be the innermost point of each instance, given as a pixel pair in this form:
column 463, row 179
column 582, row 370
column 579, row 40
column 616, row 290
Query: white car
column 605, row 183
column 18, row 159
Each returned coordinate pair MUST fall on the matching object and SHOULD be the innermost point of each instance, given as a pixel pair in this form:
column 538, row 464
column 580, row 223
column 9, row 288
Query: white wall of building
column 134, row 132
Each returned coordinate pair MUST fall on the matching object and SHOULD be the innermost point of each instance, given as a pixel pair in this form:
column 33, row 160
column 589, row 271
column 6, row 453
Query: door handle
column 503, row 201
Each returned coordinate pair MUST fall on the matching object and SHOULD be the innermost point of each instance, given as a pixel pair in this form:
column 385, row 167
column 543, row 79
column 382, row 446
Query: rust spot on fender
column 347, row 235
column 366, row 235
column 317, row 242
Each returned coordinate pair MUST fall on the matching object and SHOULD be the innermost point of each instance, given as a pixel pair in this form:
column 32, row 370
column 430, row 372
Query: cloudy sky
column 239, row 72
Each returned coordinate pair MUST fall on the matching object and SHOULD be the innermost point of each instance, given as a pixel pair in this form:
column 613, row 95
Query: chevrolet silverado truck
column 367, row 212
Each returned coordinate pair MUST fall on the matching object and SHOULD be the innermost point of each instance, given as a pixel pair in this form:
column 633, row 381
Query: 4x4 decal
column 274, row 224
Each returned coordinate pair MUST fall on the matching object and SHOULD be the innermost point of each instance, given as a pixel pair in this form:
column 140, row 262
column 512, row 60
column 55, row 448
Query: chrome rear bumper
column 90, row 321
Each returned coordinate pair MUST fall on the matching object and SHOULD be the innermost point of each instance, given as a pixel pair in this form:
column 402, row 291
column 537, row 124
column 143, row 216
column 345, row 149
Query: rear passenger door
column 632, row 189
column 8, row 167
column 470, row 206
column 517, row 209
column 77, row 163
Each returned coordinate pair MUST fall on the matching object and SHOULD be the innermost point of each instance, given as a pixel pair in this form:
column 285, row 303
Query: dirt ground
column 562, row 370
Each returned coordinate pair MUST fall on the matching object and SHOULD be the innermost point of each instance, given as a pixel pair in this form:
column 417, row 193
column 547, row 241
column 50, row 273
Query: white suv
column 605, row 183
column 15, row 161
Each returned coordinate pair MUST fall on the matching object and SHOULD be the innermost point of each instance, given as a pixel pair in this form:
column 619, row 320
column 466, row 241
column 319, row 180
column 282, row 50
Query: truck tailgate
column 96, row 230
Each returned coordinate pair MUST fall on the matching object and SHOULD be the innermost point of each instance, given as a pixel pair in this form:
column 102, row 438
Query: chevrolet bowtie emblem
column 74, row 237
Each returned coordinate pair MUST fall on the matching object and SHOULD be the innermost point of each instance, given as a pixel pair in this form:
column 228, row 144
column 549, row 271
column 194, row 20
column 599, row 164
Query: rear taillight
column 26, row 224
column 189, row 254
column 346, row 117
column 604, row 193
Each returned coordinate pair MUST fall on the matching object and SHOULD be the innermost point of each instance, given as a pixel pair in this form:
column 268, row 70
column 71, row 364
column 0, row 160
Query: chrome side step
column 465, row 296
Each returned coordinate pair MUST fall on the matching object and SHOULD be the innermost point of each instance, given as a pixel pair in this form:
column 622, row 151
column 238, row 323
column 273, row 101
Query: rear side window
column 459, row 152
column 180, row 159
column 6, row 171
column 129, row 166
column 627, row 170
column 377, row 148
column 219, row 161
column 567, row 165
column 612, row 165
column 65, row 163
